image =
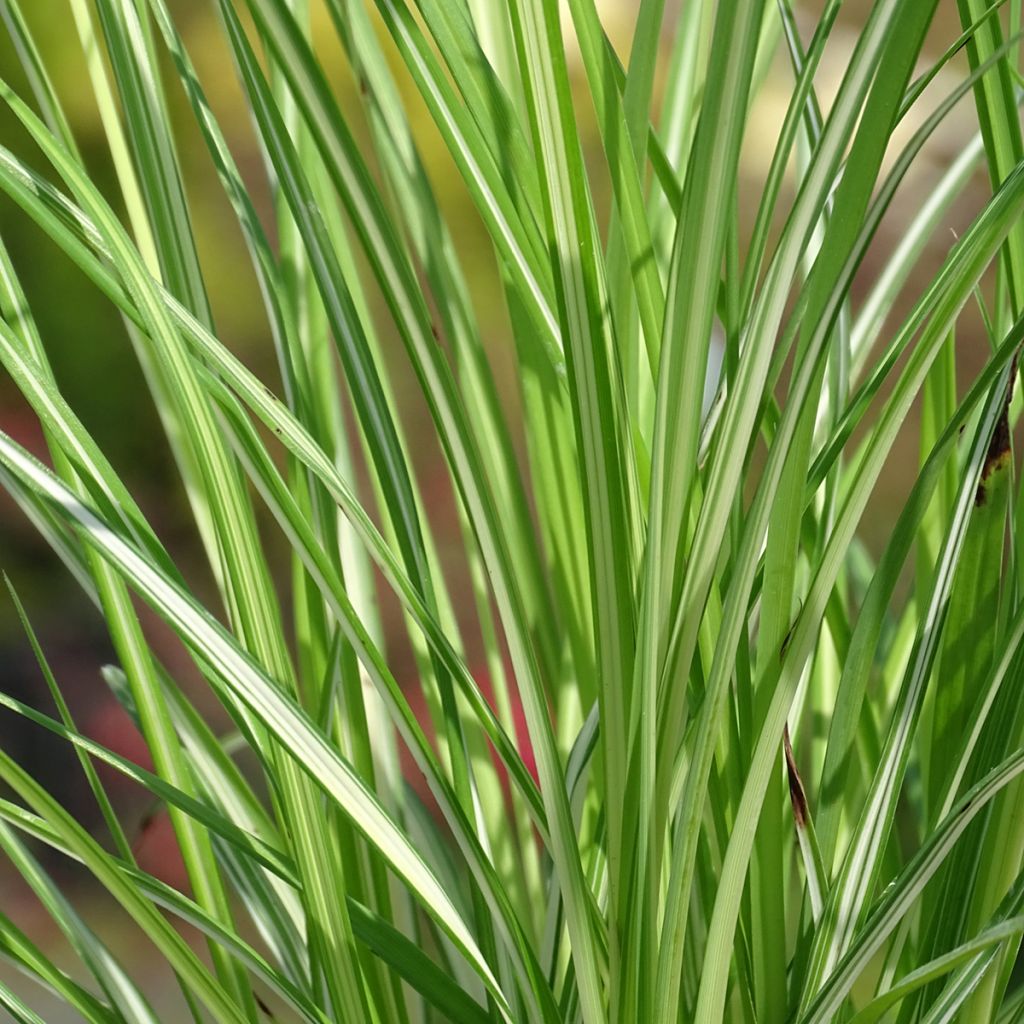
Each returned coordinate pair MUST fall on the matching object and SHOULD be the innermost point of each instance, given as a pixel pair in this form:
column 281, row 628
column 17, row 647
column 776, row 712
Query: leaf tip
column 797, row 795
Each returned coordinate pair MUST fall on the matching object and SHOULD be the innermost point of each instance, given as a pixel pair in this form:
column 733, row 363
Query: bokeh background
column 96, row 369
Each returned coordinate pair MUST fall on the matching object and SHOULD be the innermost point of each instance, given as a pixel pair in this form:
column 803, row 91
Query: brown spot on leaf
column 797, row 796
column 999, row 446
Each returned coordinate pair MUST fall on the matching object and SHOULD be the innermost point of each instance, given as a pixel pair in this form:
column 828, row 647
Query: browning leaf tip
column 797, row 796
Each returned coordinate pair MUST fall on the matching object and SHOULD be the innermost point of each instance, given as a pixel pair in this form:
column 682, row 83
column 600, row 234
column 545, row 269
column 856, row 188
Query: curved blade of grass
column 354, row 184
column 859, row 872
column 39, row 79
column 901, row 894
column 741, row 407
column 141, row 890
column 708, row 536
column 94, row 468
column 780, row 582
column 20, row 1013
column 277, row 497
column 289, row 725
column 115, row 983
column 496, row 557
column 946, row 295
column 18, row 949
column 596, row 388
column 376, row 933
column 937, row 968
column 156, row 159
column 298, row 442
column 84, row 462
column 252, row 846
column 177, row 951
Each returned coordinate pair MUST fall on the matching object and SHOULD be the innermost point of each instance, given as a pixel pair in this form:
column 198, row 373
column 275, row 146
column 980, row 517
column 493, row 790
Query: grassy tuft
column 559, row 630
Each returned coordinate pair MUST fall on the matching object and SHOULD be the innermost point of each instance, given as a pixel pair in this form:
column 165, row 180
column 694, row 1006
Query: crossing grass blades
column 769, row 772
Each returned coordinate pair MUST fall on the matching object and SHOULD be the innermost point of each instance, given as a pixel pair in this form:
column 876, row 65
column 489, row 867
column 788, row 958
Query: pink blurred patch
column 414, row 695
column 156, row 849
column 153, row 841
column 112, row 726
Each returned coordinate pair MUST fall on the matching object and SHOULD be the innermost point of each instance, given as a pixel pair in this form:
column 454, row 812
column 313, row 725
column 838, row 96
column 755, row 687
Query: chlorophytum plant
column 719, row 756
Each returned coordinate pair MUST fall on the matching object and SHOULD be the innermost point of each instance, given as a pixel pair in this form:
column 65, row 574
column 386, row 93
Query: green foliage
column 676, row 593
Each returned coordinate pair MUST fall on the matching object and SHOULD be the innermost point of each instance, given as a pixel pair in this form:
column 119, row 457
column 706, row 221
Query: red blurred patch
column 112, row 726
column 156, row 849
column 521, row 737
column 153, row 841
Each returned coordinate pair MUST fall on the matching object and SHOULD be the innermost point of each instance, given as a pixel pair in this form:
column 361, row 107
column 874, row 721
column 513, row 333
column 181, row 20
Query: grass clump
column 768, row 771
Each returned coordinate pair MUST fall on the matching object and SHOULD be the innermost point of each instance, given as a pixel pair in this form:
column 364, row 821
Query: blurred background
column 99, row 376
